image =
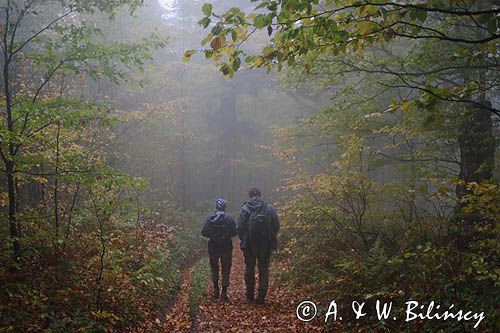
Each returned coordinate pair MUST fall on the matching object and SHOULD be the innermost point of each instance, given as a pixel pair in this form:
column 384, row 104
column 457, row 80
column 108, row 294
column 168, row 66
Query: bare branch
column 47, row 27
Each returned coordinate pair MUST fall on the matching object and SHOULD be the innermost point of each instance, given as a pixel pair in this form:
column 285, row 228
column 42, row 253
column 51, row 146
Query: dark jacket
column 246, row 209
column 212, row 229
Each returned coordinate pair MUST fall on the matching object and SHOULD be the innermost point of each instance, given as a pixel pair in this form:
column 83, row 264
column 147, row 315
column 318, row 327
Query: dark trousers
column 260, row 256
column 225, row 258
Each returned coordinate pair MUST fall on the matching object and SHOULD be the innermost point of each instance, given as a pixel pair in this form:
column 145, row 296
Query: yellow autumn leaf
column 366, row 27
column 405, row 105
column 40, row 180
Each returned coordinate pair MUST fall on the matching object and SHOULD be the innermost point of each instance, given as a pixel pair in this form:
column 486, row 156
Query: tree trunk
column 8, row 157
column 14, row 236
column 476, row 141
column 226, row 124
column 477, row 149
column 56, row 184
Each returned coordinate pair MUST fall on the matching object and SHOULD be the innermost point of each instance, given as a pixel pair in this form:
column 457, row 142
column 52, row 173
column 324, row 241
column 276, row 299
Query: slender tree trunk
column 18, row 207
column 8, row 158
column 98, row 303
column 56, row 184
column 16, row 245
column 70, row 212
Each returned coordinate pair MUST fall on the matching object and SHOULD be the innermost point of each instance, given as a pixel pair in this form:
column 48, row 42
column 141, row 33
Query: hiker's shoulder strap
column 244, row 208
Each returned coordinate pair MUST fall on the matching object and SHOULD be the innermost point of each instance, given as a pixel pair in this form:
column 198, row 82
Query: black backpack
column 218, row 228
column 259, row 227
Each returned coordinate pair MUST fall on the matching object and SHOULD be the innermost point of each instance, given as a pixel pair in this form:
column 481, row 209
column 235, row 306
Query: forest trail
column 238, row 315
column 179, row 319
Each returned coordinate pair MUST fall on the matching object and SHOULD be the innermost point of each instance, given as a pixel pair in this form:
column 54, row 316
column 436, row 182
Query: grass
column 200, row 275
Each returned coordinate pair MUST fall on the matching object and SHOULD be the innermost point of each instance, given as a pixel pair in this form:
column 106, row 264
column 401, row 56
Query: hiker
column 258, row 227
column 219, row 228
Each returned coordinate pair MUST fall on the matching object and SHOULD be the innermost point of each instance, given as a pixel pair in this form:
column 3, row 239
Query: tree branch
column 48, row 26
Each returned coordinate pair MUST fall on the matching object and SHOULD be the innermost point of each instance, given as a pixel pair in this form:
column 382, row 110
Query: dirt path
column 238, row 315
column 179, row 319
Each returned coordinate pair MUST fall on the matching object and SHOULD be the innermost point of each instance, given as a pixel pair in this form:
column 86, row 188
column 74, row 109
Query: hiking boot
column 216, row 291
column 224, row 294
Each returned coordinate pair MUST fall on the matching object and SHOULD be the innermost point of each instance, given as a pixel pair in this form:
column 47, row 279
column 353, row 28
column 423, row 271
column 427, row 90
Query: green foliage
column 356, row 226
column 200, row 276
column 141, row 277
column 88, row 257
column 401, row 263
column 345, row 26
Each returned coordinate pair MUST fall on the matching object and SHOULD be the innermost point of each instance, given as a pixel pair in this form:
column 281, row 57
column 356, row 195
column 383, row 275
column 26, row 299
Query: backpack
column 218, row 228
column 259, row 227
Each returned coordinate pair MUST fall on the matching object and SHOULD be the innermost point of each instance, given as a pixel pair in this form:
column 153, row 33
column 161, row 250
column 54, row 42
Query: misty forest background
column 371, row 126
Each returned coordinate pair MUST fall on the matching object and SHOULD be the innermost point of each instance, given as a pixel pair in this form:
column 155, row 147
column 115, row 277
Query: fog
column 201, row 135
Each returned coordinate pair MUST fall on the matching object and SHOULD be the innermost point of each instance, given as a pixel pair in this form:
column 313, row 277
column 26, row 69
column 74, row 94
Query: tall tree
column 40, row 40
